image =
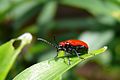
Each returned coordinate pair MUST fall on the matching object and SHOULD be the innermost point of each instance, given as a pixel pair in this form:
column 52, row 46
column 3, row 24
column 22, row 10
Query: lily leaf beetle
column 73, row 47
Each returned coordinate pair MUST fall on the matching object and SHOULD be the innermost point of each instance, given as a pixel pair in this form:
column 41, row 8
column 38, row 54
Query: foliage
column 52, row 69
column 94, row 21
column 9, row 52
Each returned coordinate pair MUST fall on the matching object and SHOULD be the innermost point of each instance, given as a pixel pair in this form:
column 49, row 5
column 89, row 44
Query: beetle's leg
column 55, row 58
column 69, row 61
column 56, row 55
column 78, row 54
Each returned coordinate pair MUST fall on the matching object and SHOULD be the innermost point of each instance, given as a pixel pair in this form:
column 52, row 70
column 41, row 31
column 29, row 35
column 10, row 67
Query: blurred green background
column 97, row 22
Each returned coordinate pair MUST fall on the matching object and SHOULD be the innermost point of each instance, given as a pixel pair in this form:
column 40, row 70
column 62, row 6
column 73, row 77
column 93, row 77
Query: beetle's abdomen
column 81, row 49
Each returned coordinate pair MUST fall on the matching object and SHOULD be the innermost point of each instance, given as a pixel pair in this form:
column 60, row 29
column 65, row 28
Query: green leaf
column 9, row 51
column 88, row 5
column 48, row 12
column 46, row 17
column 22, row 8
column 53, row 69
column 100, row 7
column 24, row 11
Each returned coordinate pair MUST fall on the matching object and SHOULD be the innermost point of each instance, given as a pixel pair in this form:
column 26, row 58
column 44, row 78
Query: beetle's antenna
column 55, row 40
column 47, row 42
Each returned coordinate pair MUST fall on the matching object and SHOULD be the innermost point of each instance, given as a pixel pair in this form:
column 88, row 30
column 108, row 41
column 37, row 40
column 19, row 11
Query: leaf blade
column 51, row 69
column 8, row 53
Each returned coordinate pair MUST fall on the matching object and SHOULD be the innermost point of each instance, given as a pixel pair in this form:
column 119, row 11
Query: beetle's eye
column 60, row 45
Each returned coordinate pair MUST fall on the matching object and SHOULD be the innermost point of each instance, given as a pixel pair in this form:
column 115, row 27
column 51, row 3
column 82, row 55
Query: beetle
column 73, row 47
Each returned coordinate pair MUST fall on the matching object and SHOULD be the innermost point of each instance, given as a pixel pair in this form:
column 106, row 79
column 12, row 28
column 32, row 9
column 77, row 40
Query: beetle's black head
column 61, row 48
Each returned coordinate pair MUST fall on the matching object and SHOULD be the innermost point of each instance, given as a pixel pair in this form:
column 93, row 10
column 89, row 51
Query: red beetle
column 74, row 47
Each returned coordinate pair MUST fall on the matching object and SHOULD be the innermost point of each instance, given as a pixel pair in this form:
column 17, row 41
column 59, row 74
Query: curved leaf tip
column 105, row 47
column 26, row 37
